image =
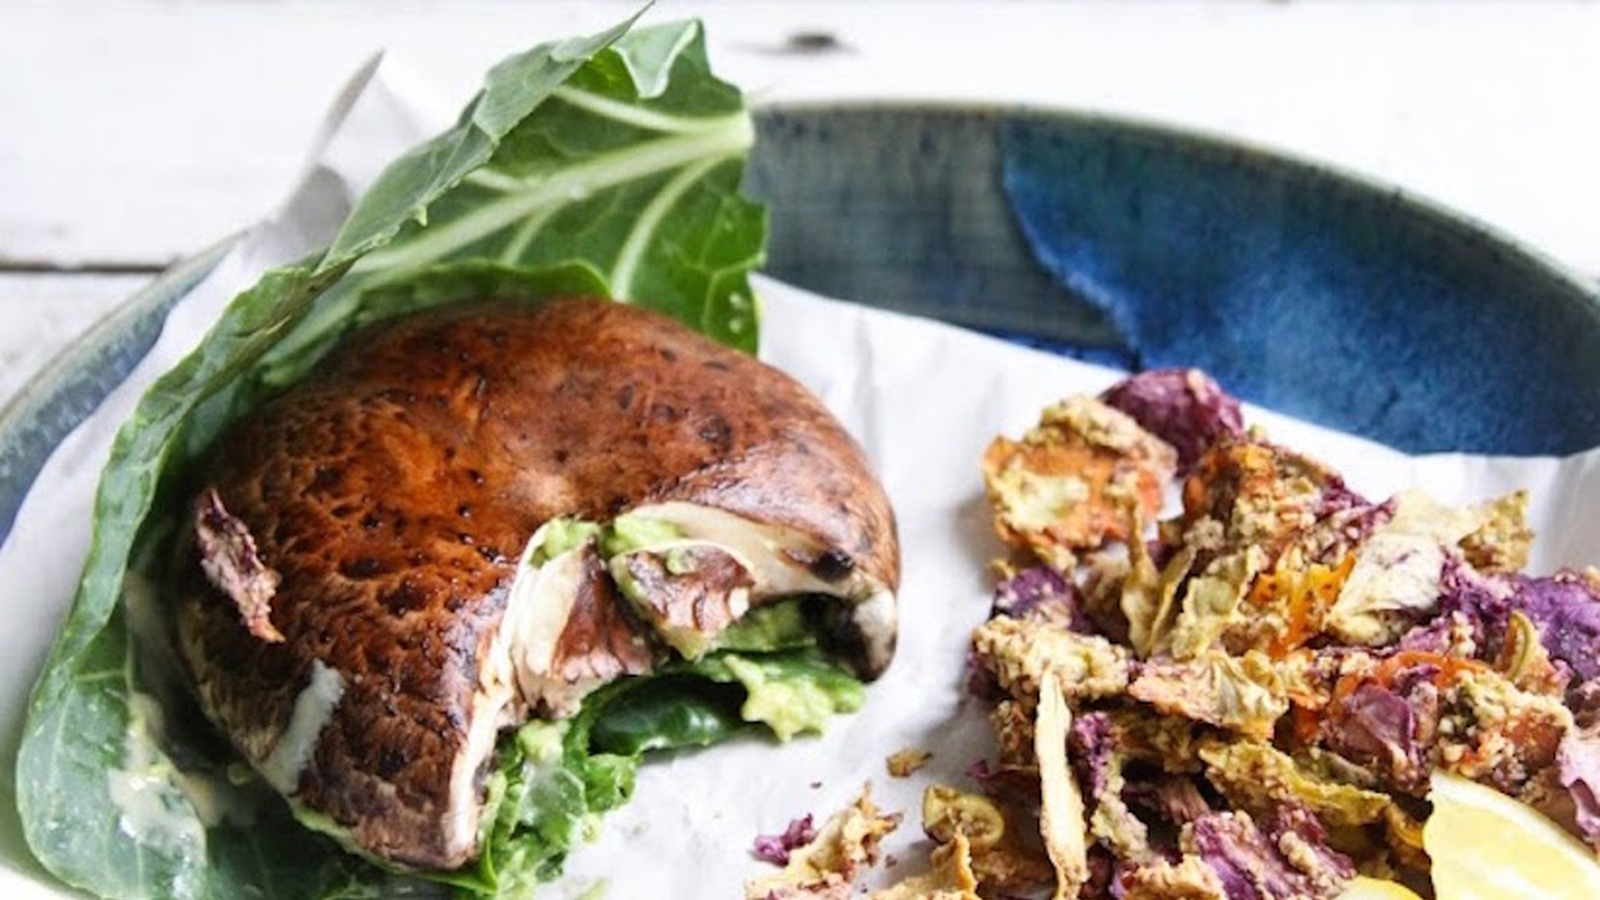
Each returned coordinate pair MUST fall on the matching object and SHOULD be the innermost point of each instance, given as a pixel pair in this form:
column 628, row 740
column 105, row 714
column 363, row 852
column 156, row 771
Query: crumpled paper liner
column 923, row 398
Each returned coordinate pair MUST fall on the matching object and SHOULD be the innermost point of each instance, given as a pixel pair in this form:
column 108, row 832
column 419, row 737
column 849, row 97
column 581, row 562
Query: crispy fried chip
column 827, row 867
column 1258, row 776
column 905, row 763
column 1022, row 653
column 1245, row 694
column 1054, row 493
column 950, row 879
column 1061, row 813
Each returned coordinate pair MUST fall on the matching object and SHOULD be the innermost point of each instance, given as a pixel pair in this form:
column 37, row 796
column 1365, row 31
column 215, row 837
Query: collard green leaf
column 408, row 187
column 619, row 171
column 552, row 779
column 586, row 166
column 81, row 731
column 668, row 713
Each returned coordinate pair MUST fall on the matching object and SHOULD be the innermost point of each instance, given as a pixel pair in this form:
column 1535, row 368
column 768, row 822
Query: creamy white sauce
column 215, row 800
column 152, row 808
column 312, row 710
column 159, row 805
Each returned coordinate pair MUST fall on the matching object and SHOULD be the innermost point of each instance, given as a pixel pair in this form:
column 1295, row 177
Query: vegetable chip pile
column 1254, row 693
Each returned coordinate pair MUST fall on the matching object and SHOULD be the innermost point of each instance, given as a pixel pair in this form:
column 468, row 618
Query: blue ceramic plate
column 1301, row 288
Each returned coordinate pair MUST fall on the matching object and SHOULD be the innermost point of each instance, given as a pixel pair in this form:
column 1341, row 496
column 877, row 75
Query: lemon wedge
column 1364, row 888
column 1487, row 846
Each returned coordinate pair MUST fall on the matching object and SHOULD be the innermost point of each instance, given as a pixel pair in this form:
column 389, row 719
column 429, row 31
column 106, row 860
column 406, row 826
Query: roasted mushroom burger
column 470, row 518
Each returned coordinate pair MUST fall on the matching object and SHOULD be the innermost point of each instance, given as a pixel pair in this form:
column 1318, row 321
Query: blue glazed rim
column 74, row 383
column 1304, row 287
column 67, row 390
column 1197, row 140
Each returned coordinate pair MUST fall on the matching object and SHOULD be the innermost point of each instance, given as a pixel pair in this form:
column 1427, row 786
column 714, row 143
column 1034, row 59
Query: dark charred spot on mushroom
column 406, row 597
column 667, row 354
column 717, row 364
column 362, row 567
column 464, row 510
column 390, row 762
column 625, row 396
column 832, row 566
column 716, row 432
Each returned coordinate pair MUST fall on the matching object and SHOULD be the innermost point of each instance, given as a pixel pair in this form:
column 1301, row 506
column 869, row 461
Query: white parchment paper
column 923, row 399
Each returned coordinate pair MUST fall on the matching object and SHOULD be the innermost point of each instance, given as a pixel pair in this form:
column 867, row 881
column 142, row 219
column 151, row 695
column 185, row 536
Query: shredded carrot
column 1304, row 723
column 1310, row 595
column 1450, row 668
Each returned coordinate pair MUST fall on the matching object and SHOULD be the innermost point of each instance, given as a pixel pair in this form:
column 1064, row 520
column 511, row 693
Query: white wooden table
column 135, row 133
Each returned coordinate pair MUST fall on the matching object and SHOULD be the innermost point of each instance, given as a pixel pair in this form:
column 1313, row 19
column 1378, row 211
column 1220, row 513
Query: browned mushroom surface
column 392, row 494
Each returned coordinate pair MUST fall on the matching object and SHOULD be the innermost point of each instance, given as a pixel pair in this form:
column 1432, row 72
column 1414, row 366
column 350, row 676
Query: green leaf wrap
column 606, row 165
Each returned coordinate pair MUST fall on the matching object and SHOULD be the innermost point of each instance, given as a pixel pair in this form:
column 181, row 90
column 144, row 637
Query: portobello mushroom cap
column 366, row 621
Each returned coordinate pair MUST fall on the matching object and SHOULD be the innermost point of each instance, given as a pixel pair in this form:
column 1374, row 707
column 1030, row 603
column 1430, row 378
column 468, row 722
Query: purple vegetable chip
column 1483, row 599
column 1388, row 730
column 980, row 771
column 1322, row 860
column 1338, row 498
column 1579, row 759
column 1436, row 636
column 1566, row 610
column 1092, row 748
column 1251, row 866
column 775, row 848
column 1174, row 798
column 1041, row 591
column 1184, row 407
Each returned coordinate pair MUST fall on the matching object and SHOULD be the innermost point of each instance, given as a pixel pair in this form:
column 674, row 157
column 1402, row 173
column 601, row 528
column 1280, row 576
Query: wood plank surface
column 134, row 133
column 41, row 313
column 137, row 132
